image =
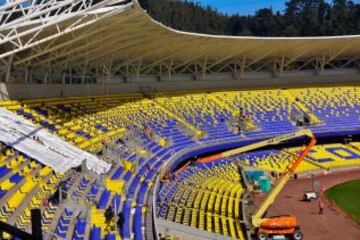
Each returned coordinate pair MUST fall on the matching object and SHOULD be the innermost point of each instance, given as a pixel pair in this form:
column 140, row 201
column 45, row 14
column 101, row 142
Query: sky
column 246, row 7
column 243, row 6
column 235, row 6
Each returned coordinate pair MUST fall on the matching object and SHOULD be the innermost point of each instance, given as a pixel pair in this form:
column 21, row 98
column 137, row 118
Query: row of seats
column 24, row 185
column 336, row 107
column 206, row 196
column 270, row 110
column 85, row 121
column 320, row 157
column 201, row 111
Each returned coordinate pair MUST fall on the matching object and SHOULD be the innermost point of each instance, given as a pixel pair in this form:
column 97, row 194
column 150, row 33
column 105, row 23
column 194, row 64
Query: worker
column 109, row 215
column 321, row 207
column 46, row 203
column 120, row 221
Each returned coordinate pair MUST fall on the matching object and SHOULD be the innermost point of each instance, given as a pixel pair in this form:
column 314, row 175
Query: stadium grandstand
column 115, row 126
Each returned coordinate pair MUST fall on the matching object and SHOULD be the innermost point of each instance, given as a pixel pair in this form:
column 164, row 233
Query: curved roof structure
column 115, row 35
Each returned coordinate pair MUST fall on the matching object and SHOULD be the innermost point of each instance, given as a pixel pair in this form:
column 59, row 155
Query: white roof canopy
column 109, row 37
column 46, row 148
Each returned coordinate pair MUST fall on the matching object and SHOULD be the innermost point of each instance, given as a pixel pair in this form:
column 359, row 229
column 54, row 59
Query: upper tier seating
column 89, row 122
column 336, row 107
column 201, row 111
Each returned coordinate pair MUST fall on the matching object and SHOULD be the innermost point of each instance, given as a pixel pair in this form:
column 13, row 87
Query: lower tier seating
column 321, row 156
column 207, row 197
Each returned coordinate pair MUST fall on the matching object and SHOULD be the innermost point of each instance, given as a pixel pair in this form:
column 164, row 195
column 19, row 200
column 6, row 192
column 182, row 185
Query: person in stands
column 109, row 215
column 321, row 207
column 120, row 221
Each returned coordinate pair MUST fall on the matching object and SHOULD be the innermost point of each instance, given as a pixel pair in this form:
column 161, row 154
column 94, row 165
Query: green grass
column 347, row 197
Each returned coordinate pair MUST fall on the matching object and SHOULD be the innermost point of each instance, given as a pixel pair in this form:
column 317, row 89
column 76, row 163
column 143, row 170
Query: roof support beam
column 82, row 22
column 203, row 53
column 351, row 60
column 50, row 48
column 83, row 49
column 52, row 36
column 337, row 53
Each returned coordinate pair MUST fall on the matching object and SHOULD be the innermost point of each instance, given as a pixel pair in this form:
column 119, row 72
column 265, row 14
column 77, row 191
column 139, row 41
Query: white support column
column 109, row 76
column 320, row 65
column 8, row 69
column 243, row 67
column 83, row 77
column 235, row 70
column 274, row 68
column 97, row 73
column 30, row 80
column 281, row 66
column 70, row 75
column 278, row 67
column 195, row 73
column 127, row 73
column 49, row 80
column 160, row 72
column 26, row 77
column 44, row 79
column 138, row 70
column 204, row 68
column 170, row 69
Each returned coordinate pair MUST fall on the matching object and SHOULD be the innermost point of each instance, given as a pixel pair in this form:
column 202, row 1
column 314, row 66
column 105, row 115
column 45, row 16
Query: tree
column 300, row 18
column 290, row 31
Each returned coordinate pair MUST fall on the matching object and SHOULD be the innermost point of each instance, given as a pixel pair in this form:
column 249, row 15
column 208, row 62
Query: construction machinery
column 279, row 225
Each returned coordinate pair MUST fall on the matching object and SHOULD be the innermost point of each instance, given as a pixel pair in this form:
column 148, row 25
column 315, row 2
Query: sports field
column 347, row 196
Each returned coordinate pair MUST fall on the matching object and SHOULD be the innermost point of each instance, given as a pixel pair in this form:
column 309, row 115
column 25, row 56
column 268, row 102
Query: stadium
column 115, row 126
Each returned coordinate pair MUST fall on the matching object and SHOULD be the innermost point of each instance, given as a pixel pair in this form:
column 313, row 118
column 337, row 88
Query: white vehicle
column 309, row 196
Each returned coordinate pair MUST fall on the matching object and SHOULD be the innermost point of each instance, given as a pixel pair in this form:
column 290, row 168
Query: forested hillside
column 300, row 18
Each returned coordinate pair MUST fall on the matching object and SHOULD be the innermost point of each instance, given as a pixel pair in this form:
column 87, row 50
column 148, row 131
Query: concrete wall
column 180, row 83
column 184, row 232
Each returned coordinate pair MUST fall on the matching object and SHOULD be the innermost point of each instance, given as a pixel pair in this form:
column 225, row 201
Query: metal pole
column 60, row 193
column 115, row 215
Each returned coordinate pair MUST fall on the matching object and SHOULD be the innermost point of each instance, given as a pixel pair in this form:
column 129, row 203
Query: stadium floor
column 333, row 224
